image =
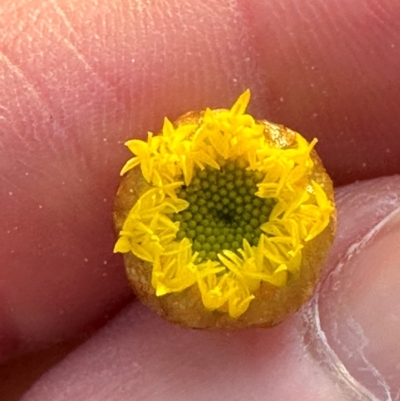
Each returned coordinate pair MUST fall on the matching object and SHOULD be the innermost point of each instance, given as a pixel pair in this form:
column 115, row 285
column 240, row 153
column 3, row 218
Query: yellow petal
column 137, row 147
column 123, row 245
column 241, row 103
column 129, row 165
column 168, row 129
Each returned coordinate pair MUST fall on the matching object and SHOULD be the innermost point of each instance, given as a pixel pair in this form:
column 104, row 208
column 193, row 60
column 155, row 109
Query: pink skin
column 80, row 78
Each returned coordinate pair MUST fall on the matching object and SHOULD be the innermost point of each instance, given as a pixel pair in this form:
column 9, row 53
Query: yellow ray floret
column 172, row 159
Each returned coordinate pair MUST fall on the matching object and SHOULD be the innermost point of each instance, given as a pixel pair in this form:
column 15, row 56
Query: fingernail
column 353, row 324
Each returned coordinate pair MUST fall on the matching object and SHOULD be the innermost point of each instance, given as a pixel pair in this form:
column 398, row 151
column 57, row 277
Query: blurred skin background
column 79, row 78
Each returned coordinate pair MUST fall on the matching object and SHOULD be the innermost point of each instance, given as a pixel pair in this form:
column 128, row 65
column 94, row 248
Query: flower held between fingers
column 225, row 210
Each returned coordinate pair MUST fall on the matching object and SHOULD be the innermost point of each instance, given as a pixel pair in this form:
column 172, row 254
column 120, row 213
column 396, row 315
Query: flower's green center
column 223, row 209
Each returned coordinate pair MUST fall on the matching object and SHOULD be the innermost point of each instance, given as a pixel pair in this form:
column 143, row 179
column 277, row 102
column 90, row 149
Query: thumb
column 354, row 320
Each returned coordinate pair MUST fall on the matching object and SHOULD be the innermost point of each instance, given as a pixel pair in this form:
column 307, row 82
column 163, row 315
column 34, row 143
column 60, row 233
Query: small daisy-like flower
column 224, row 220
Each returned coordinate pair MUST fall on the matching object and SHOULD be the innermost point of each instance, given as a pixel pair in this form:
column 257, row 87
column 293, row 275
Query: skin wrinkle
column 278, row 24
column 102, row 82
column 308, row 28
column 74, row 46
column 374, row 24
column 140, row 84
column 64, row 19
column 384, row 11
column 61, row 40
column 29, row 88
column 171, row 55
column 45, row 85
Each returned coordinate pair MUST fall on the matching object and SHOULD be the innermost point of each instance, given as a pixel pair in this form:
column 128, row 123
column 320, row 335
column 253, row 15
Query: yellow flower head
column 229, row 204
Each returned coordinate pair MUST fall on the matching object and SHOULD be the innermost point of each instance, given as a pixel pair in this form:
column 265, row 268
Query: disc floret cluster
column 223, row 209
column 226, row 208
